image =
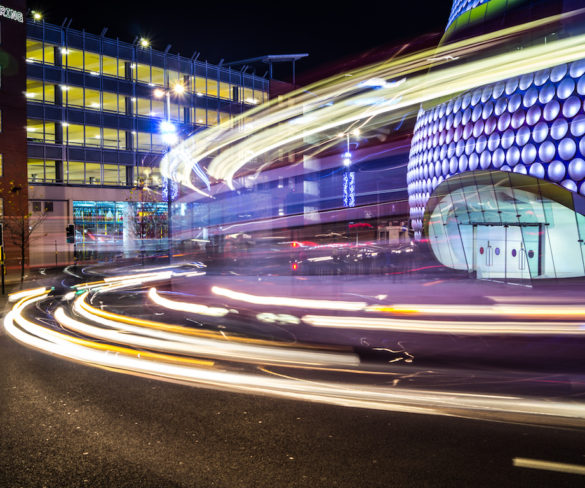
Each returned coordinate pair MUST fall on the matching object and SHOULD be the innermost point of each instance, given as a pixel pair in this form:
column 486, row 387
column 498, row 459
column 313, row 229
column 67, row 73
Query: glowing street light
column 144, row 42
column 179, row 88
column 37, row 16
column 168, row 132
column 347, row 159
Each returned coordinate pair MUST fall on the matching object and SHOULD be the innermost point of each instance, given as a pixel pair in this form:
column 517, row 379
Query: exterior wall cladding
column 13, row 112
column 533, row 124
column 13, row 183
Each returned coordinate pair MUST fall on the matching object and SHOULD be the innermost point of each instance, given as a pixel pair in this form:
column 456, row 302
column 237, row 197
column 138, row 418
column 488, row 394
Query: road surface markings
column 548, row 466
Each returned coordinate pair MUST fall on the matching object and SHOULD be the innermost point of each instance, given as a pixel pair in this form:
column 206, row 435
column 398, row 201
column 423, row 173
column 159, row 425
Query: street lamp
column 348, row 176
column 168, row 131
column 347, row 153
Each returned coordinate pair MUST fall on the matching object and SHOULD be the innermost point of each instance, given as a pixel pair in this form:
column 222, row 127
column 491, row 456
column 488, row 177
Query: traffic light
column 70, row 229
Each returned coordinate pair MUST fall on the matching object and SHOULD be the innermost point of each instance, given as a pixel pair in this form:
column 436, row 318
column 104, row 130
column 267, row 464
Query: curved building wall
column 533, row 125
column 462, row 6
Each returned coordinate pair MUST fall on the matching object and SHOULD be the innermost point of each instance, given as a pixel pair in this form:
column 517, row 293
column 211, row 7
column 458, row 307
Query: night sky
column 330, row 32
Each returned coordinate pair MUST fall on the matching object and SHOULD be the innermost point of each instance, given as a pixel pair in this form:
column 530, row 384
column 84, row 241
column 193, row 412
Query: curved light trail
column 364, row 99
column 216, row 359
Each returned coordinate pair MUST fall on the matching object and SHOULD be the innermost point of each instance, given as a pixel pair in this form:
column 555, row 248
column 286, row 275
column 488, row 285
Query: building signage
column 11, row 14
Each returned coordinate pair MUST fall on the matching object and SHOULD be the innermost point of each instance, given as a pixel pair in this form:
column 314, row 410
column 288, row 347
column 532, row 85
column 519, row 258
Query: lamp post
column 168, row 131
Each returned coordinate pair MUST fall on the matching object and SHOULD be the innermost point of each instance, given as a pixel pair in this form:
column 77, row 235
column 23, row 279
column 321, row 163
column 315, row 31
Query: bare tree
column 20, row 229
column 19, row 223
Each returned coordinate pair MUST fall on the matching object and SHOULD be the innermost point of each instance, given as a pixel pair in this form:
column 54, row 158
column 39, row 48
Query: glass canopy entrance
column 507, row 225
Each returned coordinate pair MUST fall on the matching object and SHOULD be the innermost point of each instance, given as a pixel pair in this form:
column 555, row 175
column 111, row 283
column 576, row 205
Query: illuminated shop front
column 120, row 225
column 498, row 224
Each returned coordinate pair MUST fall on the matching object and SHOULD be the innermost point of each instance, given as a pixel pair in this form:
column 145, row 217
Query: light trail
column 142, row 337
column 186, row 307
column 491, row 407
column 525, row 311
column 203, row 358
column 549, row 466
column 288, row 302
column 340, row 102
column 457, row 327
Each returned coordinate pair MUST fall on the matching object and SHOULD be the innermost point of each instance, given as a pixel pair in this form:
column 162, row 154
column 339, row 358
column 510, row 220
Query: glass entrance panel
column 516, row 264
column 501, row 252
column 490, row 251
column 532, row 237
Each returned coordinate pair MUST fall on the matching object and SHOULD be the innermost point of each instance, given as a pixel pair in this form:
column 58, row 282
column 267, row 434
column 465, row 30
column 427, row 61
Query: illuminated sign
column 349, row 189
column 11, row 14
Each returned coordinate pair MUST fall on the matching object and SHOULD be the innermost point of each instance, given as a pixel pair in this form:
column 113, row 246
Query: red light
column 295, row 244
column 295, row 266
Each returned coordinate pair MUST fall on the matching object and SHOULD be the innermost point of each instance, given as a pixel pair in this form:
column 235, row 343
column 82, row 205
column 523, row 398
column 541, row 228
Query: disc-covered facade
column 532, row 125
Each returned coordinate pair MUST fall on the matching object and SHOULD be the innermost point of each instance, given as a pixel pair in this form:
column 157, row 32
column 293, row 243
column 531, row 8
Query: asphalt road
column 69, row 425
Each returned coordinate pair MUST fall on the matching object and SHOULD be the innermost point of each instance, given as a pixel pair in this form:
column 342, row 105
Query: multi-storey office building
column 94, row 110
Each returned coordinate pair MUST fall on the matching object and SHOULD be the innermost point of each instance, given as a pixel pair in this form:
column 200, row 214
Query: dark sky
column 329, row 31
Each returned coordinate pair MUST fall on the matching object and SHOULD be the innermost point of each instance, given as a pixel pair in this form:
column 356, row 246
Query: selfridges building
column 496, row 175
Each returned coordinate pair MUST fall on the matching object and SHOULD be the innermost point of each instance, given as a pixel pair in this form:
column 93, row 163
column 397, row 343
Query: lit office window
column 93, row 136
column 111, row 176
column 158, row 144
column 212, row 88
column 158, row 76
column 72, row 58
column 110, row 66
column 35, row 130
column 143, row 141
column 36, row 51
column 36, row 170
column 50, row 171
column 110, row 102
column 157, row 108
column 111, row 138
column 143, row 73
column 92, row 99
column 49, row 93
column 174, row 112
column 92, row 62
column 1, row 165
column 200, row 86
column 75, row 173
column 143, row 107
column 34, row 90
column 93, row 173
column 74, row 95
column 199, row 116
column 50, row 132
column 73, row 134
column 224, row 117
column 212, row 117
column 174, row 77
column 225, row 90
column 38, row 91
